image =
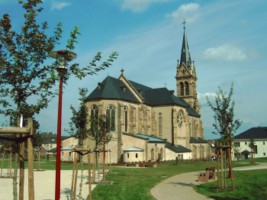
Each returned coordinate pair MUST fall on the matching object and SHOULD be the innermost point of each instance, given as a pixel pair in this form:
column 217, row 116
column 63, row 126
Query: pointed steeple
column 186, row 77
column 185, row 54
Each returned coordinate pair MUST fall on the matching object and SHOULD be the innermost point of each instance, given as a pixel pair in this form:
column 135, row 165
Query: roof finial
column 184, row 22
column 122, row 70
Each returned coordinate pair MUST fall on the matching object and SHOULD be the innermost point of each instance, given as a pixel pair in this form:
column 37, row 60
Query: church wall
column 166, row 122
column 171, row 155
column 145, row 119
column 180, row 124
column 131, row 141
column 155, row 151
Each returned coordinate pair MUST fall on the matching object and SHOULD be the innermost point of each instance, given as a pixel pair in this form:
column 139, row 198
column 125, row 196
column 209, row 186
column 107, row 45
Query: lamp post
column 62, row 57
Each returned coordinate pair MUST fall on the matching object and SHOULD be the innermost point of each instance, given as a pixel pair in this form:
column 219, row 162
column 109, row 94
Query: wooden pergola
column 21, row 136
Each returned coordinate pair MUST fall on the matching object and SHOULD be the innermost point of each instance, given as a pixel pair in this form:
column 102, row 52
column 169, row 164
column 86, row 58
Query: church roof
column 112, row 88
column 253, row 133
column 133, row 149
column 197, row 140
column 149, row 138
column 177, row 148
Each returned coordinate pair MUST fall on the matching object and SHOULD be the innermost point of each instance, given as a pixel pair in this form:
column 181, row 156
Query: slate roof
column 185, row 54
column 253, row 133
column 112, row 88
column 197, row 140
column 177, row 148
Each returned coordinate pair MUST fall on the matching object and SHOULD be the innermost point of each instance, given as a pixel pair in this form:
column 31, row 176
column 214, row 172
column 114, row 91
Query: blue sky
column 227, row 41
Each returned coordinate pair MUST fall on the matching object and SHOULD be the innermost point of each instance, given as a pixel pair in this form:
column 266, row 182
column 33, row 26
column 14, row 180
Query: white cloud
column 188, row 12
column 139, row 5
column 56, row 5
column 225, row 52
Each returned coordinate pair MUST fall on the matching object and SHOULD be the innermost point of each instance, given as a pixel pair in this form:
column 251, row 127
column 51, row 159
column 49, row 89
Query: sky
column 227, row 41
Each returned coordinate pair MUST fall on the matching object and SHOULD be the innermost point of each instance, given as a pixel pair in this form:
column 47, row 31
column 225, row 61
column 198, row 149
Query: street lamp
column 62, row 57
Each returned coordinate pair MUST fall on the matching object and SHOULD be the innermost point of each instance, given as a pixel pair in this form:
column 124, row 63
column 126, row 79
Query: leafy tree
column 24, row 74
column 99, row 130
column 79, row 120
column 100, row 133
column 26, row 80
column 225, row 124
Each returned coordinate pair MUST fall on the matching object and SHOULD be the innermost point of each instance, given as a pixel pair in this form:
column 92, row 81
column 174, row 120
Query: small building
column 67, row 149
column 242, row 143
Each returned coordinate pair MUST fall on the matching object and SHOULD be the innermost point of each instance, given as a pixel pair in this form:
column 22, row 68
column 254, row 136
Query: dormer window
column 99, row 86
column 123, row 88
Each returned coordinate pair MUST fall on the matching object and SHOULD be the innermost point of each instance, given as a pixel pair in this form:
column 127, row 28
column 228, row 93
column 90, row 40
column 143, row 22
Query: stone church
column 150, row 124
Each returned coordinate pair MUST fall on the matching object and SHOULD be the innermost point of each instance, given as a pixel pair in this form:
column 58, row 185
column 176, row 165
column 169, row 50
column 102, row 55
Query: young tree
column 224, row 122
column 24, row 74
column 100, row 133
column 26, row 80
column 252, row 149
column 79, row 120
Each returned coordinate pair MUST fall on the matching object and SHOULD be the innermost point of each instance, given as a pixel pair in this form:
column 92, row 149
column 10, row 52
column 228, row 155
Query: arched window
column 93, row 114
column 186, row 88
column 152, row 155
column 125, row 118
column 181, row 88
column 110, row 116
column 160, row 125
column 136, row 155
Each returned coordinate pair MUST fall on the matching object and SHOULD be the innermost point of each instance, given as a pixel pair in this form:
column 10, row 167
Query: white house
column 243, row 140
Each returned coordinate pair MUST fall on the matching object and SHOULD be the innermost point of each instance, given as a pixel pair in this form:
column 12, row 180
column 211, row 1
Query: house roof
column 150, row 138
column 112, row 88
column 197, row 140
column 133, row 149
column 52, row 139
column 253, row 133
column 177, row 148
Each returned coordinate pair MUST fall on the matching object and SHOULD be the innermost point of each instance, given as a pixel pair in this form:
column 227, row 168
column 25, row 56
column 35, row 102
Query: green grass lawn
column 249, row 185
column 136, row 183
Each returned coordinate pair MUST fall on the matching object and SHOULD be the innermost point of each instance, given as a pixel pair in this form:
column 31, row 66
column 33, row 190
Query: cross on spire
column 184, row 22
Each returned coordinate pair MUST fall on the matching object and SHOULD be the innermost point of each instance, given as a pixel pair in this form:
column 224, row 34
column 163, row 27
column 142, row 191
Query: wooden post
column 104, row 158
column 222, row 169
column 10, row 163
column 89, row 176
column 21, row 168
column 75, row 175
column 72, row 179
column 30, row 161
column 2, row 164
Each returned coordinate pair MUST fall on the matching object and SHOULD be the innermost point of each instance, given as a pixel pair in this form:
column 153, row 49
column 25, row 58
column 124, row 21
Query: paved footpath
column 181, row 186
column 44, row 185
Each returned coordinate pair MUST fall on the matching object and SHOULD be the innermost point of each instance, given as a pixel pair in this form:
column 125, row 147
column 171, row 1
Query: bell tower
column 186, row 78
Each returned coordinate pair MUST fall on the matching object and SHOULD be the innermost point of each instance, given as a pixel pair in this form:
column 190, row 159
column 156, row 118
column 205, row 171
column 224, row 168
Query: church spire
column 186, row 78
column 185, row 54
